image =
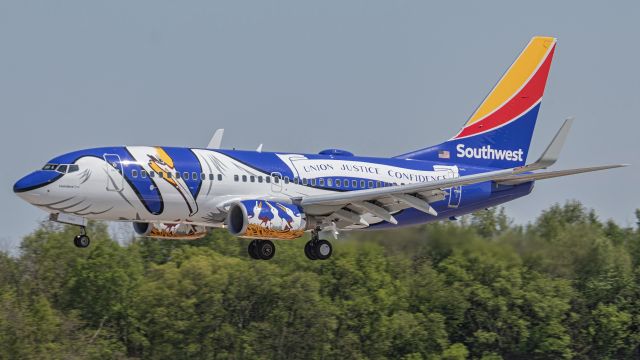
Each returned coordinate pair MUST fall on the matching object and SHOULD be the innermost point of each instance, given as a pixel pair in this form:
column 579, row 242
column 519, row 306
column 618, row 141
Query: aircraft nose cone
column 24, row 184
column 35, row 180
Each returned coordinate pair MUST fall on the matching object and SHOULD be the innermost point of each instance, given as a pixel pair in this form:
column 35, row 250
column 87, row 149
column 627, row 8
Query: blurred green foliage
column 565, row 286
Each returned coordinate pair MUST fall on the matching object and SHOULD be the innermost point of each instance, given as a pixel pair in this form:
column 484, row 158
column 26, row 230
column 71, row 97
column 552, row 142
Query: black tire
column 322, row 249
column 253, row 250
column 309, row 251
column 266, row 249
column 81, row 241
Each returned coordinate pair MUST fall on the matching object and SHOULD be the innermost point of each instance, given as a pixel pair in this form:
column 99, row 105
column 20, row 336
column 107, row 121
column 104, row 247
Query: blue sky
column 374, row 77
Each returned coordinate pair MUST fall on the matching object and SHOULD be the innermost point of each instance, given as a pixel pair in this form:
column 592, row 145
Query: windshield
column 62, row 168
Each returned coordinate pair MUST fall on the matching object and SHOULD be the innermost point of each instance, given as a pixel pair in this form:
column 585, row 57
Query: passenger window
column 354, row 183
column 244, row 178
column 177, row 175
column 338, row 183
column 160, row 174
column 73, row 168
column 236, row 178
column 370, row 183
column 134, row 173
column 305, row 181
column 62, row 169
column 194, row 175
column 219, row 177
column 143, row 174
column 252, row 178
column 211, row 177
column 276, row 179
column 329, row 182
column 203, row 176
column 169, row 175
column 267, row 179
column 362, row 184
column 346, row 183
column 377, row 183
column 185, row 175
column 321, row 182
column 152, row 174
column 313, row 182
column 286, row 179
column 259, row 179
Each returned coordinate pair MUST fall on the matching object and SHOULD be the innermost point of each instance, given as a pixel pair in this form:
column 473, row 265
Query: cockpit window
column 62, row 168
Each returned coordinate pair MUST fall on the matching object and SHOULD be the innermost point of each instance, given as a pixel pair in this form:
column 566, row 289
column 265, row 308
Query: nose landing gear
column 82, row 240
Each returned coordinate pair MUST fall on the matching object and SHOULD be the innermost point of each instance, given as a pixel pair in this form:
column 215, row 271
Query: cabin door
column 115, row 175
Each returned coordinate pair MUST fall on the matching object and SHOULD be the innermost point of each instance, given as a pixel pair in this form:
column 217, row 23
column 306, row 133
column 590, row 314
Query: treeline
column 565, row 286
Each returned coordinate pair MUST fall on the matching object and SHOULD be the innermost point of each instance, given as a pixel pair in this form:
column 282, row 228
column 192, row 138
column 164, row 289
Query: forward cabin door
column 115, row 175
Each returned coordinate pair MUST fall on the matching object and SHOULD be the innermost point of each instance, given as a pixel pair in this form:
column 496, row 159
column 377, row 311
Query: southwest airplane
column 177, row 193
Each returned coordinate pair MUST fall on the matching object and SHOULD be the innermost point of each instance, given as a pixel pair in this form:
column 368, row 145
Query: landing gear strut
column 261, row 249
column 82, row 240
column 317, row 249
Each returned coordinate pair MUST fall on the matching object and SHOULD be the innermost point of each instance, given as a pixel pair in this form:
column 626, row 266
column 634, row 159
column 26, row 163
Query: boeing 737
column 179, row 193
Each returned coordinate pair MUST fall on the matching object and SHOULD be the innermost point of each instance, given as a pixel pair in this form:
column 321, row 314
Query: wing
column 355, row 209
column 216, row 139
column 519, row 179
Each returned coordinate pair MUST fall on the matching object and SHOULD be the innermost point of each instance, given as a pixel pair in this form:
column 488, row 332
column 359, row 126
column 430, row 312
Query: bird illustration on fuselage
column 162, row 164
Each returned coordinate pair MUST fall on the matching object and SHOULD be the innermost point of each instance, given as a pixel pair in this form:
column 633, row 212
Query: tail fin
column 499, row 132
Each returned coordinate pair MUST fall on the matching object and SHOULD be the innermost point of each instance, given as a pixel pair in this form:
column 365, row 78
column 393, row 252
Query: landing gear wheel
column 323, row 249
column 309, row 251
column 253, row 250
column 81, row 241
column 265, row 249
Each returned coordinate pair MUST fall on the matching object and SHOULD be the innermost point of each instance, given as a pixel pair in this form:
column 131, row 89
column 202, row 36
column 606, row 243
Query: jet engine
column 180, row 231
column 261, row 219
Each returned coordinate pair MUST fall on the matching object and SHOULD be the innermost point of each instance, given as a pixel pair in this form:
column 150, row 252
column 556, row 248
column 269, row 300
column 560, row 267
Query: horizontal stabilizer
column 523, row 178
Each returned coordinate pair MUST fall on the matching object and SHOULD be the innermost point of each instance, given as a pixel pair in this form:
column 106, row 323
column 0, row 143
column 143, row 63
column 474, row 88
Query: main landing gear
column 261, row 249
column 82, row 240
column 317, row 249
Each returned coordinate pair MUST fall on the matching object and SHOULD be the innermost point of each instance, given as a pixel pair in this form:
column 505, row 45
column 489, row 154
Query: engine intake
column 261, row 219
column 170, row 231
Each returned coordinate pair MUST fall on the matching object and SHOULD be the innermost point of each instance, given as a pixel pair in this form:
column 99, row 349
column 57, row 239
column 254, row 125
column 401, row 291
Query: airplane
column 179, row 193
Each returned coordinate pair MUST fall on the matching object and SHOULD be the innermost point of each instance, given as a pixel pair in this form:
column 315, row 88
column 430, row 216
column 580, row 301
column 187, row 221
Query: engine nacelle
column 261, row 219
column 170, row 231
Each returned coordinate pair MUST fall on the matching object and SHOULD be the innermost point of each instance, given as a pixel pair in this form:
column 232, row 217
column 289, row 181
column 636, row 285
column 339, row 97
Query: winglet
column 552, row 152
column 216, row 139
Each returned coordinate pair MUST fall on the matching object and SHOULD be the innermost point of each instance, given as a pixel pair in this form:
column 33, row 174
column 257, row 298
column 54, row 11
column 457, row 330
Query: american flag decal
column 444, row 154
